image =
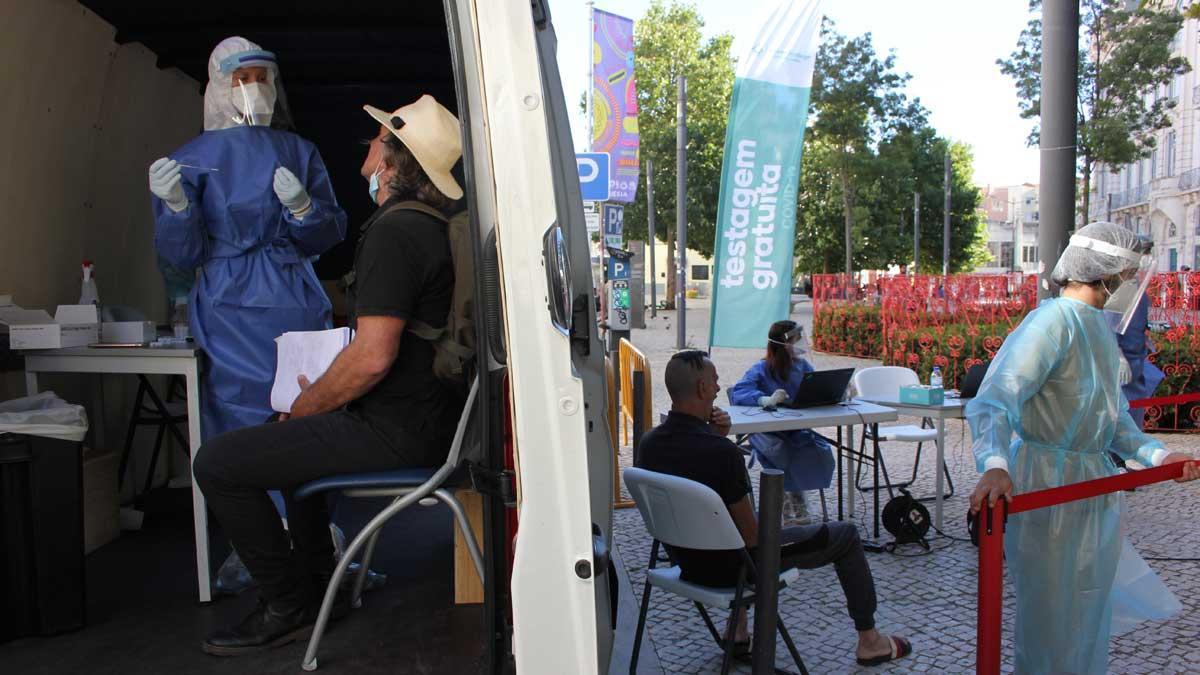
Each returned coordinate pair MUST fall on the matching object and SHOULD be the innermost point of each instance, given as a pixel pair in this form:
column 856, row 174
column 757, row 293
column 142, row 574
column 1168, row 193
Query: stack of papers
column 307, row 353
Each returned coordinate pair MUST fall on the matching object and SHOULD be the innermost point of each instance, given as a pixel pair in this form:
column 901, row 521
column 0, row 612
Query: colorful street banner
column 614, row 101
column 760, row 174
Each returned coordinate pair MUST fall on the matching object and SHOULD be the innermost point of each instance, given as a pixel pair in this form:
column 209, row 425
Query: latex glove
column 291, row 193
column 779, row 396
column 166, row 183
column 1124, row 373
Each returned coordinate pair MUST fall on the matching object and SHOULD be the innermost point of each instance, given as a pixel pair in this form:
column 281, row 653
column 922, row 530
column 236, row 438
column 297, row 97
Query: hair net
column 1087, row 265
column 229, row 55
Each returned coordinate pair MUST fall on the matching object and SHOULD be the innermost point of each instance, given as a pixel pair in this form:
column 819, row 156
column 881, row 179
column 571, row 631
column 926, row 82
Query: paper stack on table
column 307, row 353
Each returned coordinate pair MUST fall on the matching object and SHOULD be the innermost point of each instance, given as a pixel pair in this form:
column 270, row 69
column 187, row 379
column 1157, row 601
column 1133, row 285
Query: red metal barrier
column 990, row 526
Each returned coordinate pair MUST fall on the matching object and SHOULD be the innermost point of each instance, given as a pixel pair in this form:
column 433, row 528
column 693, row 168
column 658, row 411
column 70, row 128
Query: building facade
column 1159, row 196
column 1011, row 213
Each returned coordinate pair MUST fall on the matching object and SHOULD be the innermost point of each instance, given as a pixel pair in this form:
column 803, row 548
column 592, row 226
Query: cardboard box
column 101, row 505
column 128, row 332
column 72, row 326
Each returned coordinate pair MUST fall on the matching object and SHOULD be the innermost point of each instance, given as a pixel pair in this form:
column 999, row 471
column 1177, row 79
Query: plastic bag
column 233, row 577
column 44, row 415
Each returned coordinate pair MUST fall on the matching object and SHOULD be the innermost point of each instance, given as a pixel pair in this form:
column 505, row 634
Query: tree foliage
column 1124, row 61
column 869, row 150
column 667, row 42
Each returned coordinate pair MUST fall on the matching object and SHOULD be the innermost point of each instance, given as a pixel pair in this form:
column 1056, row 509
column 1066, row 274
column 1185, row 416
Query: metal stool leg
column 133, row 425
column 339, row 571
column 360, row 582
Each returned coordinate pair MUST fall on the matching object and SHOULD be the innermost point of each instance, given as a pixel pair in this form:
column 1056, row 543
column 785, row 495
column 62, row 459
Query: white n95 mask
column 256, row 102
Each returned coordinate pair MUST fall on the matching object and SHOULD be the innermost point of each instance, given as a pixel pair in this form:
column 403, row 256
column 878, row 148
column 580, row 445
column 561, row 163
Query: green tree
column 1124, row 61
column 856, row 103
column 668, row 41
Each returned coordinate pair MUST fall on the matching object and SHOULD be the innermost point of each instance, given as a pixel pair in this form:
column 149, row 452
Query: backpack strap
column 412, row 205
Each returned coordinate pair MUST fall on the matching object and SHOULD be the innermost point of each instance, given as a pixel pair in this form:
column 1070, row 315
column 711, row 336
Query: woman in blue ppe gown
column 251, row 206
column 1143, row 377
column 1055, row 385
column 805, row 459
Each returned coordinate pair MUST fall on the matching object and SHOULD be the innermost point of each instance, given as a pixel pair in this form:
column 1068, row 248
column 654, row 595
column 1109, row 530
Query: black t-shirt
column 685, row 446
column 403, row 269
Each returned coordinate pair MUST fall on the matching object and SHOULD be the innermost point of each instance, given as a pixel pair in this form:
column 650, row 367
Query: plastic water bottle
column 935, row 378
column 179, row 322
column 88, row 293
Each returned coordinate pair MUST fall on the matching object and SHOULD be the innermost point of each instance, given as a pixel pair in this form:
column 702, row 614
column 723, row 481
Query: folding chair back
column 883, row 380
column 681, row 512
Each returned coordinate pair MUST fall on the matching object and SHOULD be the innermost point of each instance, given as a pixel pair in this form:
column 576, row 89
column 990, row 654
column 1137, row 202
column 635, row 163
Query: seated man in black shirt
column 379, row 405
column 692, row 444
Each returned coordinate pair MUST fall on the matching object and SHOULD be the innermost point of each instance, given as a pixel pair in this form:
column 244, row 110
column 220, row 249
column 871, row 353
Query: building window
column 1170, row 154
column 1006, row 254
column 699, row 272
column 1172, row 231
column 1173, row 92
column 1196, row 258
column 1153, row 163
column 1196, row 220
column 1173, row 260
column 1138, row 228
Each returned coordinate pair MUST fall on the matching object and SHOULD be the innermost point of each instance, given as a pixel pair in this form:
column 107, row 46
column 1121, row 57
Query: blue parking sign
column 594, row 169
column 614, row 219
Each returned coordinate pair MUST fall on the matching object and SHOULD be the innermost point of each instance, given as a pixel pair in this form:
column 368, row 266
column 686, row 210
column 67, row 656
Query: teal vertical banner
column 756, row 216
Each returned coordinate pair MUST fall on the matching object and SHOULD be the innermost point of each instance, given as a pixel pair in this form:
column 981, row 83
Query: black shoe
column 263, row 629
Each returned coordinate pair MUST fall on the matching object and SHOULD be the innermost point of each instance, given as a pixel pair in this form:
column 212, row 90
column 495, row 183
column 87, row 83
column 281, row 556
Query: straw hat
column 432, row 134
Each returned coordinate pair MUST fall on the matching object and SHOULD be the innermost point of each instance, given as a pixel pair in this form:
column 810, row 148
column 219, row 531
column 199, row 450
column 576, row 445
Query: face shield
column 795, row 341
column 229, row 103
column 1127, row 289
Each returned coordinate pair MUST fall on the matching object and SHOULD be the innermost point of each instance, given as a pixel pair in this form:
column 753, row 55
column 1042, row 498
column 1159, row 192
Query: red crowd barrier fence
column 990, row 524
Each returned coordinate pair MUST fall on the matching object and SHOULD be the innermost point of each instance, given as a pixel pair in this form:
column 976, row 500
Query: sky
column 949, row 47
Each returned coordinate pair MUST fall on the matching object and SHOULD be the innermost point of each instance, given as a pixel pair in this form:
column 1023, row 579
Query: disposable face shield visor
column 794, row 339
column 1124, row 300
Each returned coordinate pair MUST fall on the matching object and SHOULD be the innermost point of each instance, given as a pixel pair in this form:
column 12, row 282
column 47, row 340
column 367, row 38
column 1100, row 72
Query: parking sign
column 594, row 170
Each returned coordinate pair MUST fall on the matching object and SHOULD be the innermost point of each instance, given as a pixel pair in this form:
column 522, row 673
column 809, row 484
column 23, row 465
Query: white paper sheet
column 307, row 353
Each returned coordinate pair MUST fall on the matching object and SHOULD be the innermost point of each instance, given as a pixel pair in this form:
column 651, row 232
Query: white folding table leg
column 199, row 510
column 941, row 475
column 850, row 470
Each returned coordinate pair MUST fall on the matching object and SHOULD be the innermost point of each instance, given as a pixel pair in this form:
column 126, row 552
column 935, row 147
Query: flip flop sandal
column 900, row 649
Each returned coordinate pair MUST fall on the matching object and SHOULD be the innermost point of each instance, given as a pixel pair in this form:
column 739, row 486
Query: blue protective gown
column 1054, row 384
column 1134, row 345
column 805, row 459
column 256, row 277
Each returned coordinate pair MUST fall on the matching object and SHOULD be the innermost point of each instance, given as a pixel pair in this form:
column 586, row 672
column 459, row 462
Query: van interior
column 123, row 80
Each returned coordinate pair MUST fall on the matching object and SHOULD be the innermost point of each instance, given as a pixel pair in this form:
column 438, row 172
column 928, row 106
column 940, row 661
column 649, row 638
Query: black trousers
column 236, row 469
column 812, row 546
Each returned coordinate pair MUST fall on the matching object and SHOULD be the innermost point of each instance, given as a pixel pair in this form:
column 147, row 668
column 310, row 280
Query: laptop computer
column 821, row 387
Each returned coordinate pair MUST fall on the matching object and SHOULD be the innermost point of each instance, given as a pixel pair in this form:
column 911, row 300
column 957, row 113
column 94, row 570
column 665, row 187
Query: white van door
column 562, row 612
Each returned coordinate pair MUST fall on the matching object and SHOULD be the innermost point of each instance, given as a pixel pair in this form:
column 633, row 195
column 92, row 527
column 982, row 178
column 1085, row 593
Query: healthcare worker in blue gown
column 248, row 204
column 805, row 459
column 1055, row 385
column 1139, row 376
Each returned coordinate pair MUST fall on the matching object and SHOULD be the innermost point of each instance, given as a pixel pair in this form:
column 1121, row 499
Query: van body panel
column 555, row 580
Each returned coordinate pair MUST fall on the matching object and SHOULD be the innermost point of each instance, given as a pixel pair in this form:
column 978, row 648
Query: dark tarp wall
column 334, row 56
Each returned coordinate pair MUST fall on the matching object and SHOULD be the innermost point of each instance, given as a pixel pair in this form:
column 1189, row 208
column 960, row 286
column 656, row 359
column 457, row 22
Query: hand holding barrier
column 990, row 524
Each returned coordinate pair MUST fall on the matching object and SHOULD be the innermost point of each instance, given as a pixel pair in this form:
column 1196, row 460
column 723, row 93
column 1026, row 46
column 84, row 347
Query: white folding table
column 754, row 420
column 173, row 360
column 953, row 408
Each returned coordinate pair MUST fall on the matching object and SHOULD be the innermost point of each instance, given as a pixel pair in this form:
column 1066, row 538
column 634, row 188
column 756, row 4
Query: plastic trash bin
column 42, row 584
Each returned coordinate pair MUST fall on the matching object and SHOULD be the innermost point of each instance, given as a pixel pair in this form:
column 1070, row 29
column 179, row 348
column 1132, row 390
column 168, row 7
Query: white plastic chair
column 886, row 381
column 686, row 514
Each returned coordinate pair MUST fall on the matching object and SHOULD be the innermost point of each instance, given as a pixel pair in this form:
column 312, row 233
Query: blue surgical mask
column 373, row 183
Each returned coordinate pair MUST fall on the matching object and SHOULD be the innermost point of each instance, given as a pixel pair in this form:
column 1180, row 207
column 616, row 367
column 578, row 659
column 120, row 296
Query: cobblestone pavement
column 928, row 598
